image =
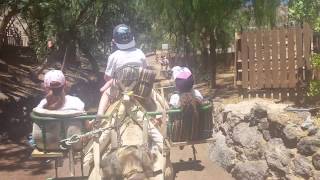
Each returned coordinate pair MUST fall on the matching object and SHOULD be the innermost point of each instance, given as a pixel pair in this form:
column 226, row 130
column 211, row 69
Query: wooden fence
column 268, row 59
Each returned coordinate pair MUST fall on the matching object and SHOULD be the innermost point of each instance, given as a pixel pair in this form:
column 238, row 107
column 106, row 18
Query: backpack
column 142, row 80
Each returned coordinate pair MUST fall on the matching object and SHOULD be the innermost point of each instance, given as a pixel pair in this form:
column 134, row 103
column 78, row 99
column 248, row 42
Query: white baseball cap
column 54, row 76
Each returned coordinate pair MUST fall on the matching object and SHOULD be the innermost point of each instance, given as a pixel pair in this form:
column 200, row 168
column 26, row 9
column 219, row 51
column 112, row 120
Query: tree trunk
column 205, row 58
column 213, row 55
column 4, row 23
column 68, row 48
column 92, row 60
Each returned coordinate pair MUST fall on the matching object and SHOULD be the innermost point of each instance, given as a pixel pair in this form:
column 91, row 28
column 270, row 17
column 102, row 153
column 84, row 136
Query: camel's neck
column 131, row 134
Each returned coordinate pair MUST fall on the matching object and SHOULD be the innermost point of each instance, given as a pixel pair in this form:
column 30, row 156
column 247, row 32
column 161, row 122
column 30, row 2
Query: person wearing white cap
column 184, row 84
column 56, row 98
column 127, row 54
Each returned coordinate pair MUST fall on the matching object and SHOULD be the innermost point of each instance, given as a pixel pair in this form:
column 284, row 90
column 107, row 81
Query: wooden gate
column 274, row 58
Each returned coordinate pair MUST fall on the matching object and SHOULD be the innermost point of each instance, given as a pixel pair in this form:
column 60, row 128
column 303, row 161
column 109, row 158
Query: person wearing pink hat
column 184, row 84
column 56, row 98
column 189, row 100
column 57, row 102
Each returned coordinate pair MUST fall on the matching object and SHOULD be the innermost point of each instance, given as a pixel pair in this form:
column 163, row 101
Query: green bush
column 314, row 85
column 314, row 88
column 315, row 61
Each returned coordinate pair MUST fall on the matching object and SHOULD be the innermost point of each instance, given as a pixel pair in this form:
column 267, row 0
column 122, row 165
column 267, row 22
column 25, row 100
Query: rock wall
column 259, row 139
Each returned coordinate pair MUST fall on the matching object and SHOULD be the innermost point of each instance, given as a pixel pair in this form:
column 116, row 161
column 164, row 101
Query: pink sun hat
column 181, row 72
column 54, row 76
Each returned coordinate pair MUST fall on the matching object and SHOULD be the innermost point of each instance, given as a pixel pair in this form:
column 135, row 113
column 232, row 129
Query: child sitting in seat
column 57, row 102
column 189, row 100
column 56, row 98
column 127, row 54
column 184, row 84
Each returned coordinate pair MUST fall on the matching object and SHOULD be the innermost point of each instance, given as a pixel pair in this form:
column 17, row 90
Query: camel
column 126, row 150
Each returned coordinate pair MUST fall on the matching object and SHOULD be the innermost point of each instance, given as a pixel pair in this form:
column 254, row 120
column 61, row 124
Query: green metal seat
column 57, row 155
column 174, row 115
column 43, row 121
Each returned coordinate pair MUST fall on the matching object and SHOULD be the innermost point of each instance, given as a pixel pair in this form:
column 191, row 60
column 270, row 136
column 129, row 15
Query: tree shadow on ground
column 15, row 157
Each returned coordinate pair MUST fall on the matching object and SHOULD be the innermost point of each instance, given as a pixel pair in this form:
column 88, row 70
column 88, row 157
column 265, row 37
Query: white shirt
column 71, row 103
column 175, row 98
column 121, row 58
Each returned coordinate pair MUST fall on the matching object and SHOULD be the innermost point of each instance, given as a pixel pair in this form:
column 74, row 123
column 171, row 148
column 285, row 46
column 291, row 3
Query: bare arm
column 108, row 83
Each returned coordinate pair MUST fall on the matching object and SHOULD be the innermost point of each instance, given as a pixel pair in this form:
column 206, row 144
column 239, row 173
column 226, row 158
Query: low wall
column 258, row 139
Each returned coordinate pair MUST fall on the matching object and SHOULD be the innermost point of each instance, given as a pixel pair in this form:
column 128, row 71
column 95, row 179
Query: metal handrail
column 36, row 117
column 176, row 110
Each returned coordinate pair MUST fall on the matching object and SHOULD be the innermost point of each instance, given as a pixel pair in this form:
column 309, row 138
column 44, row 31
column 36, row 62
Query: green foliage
column 265, row 12
column 305, row 11
column 314, row 88
column 88, row 23
column 188, row 23
column 315, row 60
column 189, row 26
column 314, row 85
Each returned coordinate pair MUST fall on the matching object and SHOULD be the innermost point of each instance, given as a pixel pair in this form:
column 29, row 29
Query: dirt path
column 202, row 167
column 16, row 164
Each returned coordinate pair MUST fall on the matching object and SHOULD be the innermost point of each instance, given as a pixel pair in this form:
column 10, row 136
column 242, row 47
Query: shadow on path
column 187, row 166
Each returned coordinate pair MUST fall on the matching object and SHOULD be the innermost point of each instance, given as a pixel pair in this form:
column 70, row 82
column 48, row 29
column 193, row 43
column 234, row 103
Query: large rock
column 230, row 120
column 251, row 170
column 278, row 121
column 263, row 127
column 221, row 154
column 302, row 166
column 292, row 177
column 250, row 139
column 316, row 160
column 266, row 135
column 308, row 145
column 263, row 124
column 259, row 140
column 277, row 156
column 308, row 121
column 292, row 134
column 246, row 136
column 257, row 113
column 243, row 108
column 217, row 115
column 316, row 175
